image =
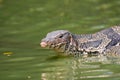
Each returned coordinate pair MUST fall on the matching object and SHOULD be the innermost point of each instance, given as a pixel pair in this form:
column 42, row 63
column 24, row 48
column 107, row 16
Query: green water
column 23, row 23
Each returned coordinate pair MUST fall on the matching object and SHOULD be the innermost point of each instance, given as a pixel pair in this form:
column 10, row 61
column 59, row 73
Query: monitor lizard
column 102, row 42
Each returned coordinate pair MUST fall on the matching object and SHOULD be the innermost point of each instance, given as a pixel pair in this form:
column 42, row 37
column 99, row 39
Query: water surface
column 24, row 23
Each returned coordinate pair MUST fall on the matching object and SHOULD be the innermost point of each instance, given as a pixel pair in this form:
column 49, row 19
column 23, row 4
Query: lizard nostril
column 43, row 44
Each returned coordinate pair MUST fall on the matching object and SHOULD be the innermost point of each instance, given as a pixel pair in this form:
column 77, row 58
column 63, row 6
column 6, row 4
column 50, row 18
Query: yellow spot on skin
column 8, row 53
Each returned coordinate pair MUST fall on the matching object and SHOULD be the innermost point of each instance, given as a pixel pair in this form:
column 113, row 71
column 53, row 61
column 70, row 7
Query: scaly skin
column 103, row 42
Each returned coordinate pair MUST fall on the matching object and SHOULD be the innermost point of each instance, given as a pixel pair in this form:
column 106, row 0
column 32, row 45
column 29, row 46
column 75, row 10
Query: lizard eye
column 60, row 36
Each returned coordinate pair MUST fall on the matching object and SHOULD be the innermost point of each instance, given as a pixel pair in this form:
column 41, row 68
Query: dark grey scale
column 88, row 36
column 66, row 47
column 65, row 35
column 94, row 44
column 83, row 46
column 72, row 49
column 111, row 34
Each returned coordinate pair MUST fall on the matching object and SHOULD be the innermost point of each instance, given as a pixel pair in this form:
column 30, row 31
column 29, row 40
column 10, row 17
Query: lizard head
column 57, row 40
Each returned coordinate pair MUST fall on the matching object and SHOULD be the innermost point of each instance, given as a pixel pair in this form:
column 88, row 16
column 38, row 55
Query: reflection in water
column 80, row 68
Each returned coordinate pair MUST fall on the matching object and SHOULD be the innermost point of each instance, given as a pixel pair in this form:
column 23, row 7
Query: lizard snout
column 43, row 44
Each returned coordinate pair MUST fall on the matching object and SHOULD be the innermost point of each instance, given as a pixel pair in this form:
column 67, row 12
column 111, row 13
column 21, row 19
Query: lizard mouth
column 56, row 46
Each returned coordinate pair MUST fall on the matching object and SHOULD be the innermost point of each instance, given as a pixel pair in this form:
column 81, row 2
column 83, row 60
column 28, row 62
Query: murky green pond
column 23, row 23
